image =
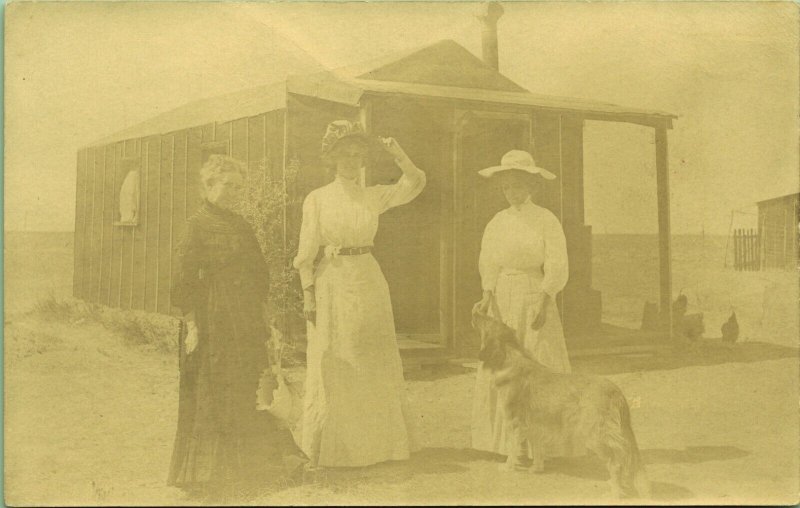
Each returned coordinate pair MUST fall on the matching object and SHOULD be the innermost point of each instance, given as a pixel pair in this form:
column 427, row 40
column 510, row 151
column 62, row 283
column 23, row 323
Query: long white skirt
column 518, row 296
column 355, row 409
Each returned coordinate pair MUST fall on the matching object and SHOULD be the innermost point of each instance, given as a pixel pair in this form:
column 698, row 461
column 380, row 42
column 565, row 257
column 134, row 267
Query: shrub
column 266, row 206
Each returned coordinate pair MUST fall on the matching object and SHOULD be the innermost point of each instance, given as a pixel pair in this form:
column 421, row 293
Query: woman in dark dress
column 223, row 443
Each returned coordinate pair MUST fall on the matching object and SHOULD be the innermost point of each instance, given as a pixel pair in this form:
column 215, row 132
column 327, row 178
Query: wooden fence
column 746, row 250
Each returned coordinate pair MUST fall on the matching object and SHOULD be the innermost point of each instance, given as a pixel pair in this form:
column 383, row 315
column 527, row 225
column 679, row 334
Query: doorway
column 482, row 140
column 407, row 244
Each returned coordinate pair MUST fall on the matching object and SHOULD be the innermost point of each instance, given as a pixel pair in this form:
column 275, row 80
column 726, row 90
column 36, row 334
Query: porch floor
column 418, row 350
column 607, row 340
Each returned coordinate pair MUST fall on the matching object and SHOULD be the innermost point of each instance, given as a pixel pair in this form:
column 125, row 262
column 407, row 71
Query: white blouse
column 528, row 239
column 345, row 214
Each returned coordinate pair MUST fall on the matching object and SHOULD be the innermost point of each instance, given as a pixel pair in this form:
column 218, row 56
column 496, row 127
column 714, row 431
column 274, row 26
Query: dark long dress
column 221, row 437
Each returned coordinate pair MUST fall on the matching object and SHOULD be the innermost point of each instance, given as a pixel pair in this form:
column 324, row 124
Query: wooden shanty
column 451, row 111
column 778, row 227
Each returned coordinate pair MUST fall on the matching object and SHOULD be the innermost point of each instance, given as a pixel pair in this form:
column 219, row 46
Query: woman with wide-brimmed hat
column 523, row 266
column 355, row 412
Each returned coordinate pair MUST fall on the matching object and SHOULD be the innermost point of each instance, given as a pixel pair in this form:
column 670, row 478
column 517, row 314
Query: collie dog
column 540, row 405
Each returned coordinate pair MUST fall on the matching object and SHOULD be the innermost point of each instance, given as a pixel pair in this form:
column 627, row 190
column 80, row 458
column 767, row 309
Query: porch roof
column 337, row 88
column 443, row 70
column 785, row 197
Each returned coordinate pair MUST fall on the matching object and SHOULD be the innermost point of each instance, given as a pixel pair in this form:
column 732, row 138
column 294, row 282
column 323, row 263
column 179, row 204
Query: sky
column 79, row 71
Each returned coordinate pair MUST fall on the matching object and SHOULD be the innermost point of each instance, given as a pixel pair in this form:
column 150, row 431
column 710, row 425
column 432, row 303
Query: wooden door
column 482, row 140
column 407, row 245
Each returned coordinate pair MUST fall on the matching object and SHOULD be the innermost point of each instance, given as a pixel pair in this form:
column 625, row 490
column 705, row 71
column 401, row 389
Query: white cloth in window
column 129, row 198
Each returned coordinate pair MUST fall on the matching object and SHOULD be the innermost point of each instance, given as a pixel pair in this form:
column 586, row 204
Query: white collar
column 349, row 181
column 526, row 205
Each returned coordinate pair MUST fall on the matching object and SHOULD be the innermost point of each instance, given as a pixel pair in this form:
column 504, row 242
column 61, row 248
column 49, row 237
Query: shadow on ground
column 427, row 461
column 701, row 354
column 436, row 461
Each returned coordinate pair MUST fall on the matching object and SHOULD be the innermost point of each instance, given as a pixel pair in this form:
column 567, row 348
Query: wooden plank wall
column 152, row 199
column 80, row 214
column 274, row 129
column 132, row 267
column 126, row 246
column 92, row 274
column 117, row 233
column 138, row 261
column 547, row 153
column 163, row 237
column 256, row 127
column 107, row 225
column 239, row 146
column 193, row 163
column 778, row 229
column 179, row 198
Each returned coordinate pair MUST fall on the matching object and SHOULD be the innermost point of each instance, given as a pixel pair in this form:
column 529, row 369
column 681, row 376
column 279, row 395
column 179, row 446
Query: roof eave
column 588, row 109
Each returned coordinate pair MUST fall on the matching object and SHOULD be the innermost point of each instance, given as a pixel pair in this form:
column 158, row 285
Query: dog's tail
column 633, row 471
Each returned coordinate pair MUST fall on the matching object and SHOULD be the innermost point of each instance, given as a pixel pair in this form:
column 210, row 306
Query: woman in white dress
column 355, row 411
column 523, row 266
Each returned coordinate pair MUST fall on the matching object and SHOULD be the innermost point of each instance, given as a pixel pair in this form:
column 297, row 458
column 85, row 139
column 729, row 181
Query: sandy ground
column 90, row 420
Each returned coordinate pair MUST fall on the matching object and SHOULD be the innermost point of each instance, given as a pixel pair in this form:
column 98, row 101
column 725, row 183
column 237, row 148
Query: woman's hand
column 541, row 315
column 192, row 338
column 310, row 305
column 395, row 150
column 482, row 306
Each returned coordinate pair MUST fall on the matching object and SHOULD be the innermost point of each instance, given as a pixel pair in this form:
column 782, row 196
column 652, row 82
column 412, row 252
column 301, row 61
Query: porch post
column 665, row 264
column 365, row 118
column 451, row 233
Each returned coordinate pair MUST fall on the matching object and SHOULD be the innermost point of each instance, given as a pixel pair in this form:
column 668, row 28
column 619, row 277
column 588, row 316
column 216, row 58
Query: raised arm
column 408, row 187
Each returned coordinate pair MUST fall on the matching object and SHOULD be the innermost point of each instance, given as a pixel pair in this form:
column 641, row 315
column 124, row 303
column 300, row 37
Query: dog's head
column 496, row 337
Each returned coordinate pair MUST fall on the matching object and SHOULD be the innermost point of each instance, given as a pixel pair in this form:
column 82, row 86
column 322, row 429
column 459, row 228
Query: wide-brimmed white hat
column 517, row 159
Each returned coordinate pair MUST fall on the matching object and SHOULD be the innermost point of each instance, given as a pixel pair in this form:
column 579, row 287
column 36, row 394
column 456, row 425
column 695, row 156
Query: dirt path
column 91, row 421
column 93, row 418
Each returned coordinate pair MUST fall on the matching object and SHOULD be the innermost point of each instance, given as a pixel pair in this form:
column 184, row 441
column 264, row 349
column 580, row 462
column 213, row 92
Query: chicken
column 679, row 307
column 688, row 326
column 730, row 329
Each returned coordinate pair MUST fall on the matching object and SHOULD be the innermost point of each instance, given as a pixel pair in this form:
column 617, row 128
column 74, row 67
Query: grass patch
column 52, row 308
column 134, row 327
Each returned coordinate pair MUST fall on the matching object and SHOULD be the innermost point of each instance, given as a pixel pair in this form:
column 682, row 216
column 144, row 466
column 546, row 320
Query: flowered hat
column 343, row 129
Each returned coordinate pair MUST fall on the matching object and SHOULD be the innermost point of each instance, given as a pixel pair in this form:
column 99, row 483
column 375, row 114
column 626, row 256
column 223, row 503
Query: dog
column 540, row 405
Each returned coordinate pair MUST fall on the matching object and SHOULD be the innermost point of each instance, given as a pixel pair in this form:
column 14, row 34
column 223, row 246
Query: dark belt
column 354, row 251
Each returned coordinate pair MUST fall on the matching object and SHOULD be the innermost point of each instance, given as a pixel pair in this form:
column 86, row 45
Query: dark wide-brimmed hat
column 519, row 160
column 342, row 130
